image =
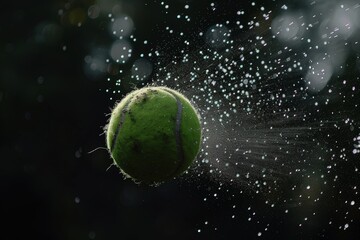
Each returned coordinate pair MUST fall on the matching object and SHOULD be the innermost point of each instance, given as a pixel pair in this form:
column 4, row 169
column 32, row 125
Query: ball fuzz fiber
column 154, row 134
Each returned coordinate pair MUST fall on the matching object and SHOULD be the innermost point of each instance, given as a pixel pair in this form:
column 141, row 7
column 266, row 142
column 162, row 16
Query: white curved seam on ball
column 122, row 119
column 177, row 131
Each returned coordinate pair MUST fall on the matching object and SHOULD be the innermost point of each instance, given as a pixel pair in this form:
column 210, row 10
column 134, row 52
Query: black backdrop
column 52, row 115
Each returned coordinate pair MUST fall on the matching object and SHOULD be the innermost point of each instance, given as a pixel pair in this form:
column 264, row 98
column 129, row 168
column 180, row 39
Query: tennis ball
column 154, row 134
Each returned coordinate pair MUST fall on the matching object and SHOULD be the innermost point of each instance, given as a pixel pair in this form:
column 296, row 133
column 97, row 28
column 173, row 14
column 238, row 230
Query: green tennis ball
column 154, row 134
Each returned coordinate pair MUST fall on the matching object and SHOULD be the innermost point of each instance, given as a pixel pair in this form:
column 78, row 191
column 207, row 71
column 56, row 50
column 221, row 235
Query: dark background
column 52, row 114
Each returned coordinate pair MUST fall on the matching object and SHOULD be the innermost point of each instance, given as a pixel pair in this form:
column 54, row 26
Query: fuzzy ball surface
column 154, row 134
